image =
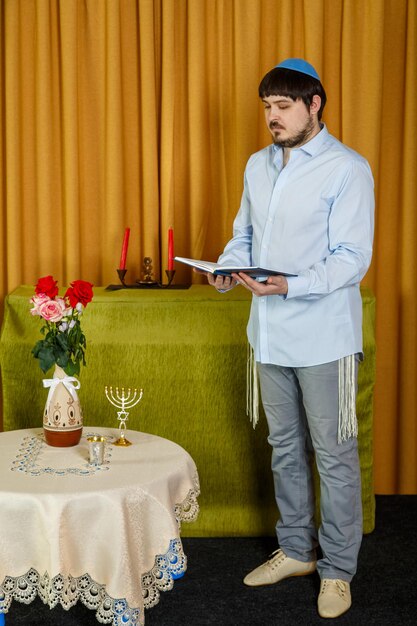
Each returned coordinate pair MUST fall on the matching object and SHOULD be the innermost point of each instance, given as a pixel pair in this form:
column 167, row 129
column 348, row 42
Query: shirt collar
column 313, row 146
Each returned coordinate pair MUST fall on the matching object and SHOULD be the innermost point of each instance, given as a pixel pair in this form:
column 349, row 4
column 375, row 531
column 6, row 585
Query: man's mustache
column 274, row 124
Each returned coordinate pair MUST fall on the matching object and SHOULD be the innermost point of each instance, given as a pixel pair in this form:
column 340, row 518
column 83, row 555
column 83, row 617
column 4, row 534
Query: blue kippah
column 299, row 65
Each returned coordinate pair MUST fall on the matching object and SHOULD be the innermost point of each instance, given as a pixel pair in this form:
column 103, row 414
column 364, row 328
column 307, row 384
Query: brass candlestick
column 147, row 281
column 124, row 400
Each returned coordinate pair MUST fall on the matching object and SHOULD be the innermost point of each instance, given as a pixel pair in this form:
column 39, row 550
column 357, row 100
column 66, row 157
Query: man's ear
column 315, row 104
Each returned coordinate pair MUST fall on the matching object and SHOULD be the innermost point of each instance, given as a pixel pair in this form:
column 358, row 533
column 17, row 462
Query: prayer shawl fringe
column 252, row 388
column 348, row 423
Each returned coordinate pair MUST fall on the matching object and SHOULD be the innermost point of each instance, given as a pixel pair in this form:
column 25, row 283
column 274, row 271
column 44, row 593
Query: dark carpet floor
column 384, row 591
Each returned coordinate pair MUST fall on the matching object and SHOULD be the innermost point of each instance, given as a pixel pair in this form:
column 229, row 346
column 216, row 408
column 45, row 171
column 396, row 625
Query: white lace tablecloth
column 106, row 536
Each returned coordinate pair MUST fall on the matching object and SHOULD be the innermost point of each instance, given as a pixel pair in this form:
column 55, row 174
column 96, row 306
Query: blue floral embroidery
column 28, row 461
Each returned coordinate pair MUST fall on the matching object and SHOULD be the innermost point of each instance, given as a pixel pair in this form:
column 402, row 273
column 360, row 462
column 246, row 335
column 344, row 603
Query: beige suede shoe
column 334, row 598
column 280, row 566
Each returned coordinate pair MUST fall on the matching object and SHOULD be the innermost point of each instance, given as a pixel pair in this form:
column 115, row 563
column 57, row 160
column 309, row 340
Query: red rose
column 80, row 291
column 48, row 286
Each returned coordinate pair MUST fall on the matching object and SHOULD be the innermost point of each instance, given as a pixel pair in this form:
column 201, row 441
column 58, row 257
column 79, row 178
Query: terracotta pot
column 62, row 417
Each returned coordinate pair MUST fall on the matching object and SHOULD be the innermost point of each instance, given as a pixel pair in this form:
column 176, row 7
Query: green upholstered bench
column 187, row 350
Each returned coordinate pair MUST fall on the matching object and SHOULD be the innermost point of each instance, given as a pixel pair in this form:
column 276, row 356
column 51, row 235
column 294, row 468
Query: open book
column 224, row 270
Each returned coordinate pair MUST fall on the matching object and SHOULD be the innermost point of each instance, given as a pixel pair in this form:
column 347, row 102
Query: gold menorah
column 122, row 401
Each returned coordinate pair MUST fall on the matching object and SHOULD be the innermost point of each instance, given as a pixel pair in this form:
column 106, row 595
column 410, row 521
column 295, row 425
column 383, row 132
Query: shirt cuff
column 298, row 286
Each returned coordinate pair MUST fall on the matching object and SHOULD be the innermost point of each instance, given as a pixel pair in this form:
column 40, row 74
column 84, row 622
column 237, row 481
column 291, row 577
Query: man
column 307, row 209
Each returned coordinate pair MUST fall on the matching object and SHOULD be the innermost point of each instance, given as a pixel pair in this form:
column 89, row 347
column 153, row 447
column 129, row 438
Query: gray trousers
column 301, row 407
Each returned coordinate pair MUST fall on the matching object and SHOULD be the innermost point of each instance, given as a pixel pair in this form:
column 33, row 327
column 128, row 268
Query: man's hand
column 221, row 283
column 274, row 285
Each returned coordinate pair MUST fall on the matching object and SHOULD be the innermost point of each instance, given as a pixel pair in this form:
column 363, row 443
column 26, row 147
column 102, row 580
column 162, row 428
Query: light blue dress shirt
column 314, row 218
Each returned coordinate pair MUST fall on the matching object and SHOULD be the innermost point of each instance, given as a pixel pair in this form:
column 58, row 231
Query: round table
column 107, row 535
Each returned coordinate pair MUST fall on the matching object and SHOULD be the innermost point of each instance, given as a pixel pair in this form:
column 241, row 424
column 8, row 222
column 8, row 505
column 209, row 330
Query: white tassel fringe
column 348, row 423
column 252, row 388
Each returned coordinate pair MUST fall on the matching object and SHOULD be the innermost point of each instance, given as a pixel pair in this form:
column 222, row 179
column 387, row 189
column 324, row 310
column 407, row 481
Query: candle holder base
column 170, row 275
column 156, row 287
column 121, row 274
column 148, row 283
column 122, row 441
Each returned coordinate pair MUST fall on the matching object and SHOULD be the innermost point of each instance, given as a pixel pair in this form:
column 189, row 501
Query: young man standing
column 307, row 209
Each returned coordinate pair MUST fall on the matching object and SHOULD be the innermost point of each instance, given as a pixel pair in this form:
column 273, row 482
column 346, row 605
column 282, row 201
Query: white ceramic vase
column 62, row 417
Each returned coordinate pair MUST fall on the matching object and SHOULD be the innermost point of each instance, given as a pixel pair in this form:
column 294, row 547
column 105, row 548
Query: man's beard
column 296, row 140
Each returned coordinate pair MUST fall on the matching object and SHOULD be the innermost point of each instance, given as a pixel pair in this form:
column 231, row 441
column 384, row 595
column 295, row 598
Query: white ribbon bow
column 69, row 382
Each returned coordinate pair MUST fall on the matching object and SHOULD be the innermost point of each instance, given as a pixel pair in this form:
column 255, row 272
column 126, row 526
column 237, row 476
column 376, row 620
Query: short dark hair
column 295, row 85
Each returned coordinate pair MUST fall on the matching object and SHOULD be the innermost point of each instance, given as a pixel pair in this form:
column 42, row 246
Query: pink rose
column 37, row 301
column 53, row 310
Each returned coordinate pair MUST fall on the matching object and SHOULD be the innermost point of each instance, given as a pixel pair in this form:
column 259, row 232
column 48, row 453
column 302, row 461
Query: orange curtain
column 142, row 113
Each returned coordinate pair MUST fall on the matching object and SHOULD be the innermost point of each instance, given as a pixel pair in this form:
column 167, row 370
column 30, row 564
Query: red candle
column 170, row 249
column 122, row 265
